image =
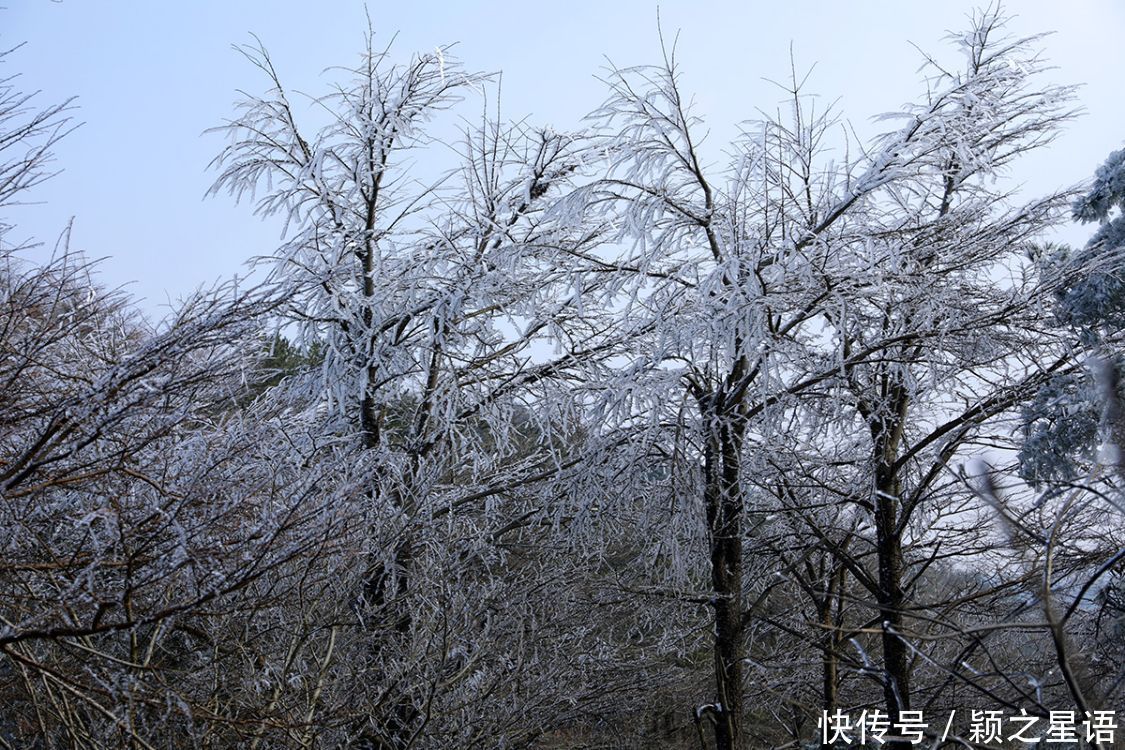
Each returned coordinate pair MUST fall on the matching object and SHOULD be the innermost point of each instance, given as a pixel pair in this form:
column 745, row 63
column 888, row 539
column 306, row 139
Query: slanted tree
column 145, row 518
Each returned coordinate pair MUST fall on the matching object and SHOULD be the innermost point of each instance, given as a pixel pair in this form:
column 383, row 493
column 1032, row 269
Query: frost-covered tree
column 1062, row 421
column 1069, row 422
column 450, row 314
column 1093, row 300
column 593, row 439
column 157, row 535
column 869, row 301
column 28, row 133
column 146, row 522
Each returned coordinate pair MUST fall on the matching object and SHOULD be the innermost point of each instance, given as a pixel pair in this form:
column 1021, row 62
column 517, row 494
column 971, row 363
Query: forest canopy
column 586, row 440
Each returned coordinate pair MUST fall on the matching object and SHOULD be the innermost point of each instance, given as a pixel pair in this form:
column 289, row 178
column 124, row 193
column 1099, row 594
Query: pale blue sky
column 152, row 76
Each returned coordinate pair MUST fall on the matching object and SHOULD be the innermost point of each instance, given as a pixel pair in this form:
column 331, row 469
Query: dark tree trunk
column 723, row 498
column 888, row 538
column 829, row 664
column 383, row 602
column 896, row 658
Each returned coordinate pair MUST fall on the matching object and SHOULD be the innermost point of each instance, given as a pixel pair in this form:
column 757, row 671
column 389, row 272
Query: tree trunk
column 383, row 595
column 896, row 658
column 829, row 668
column 723, row 498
